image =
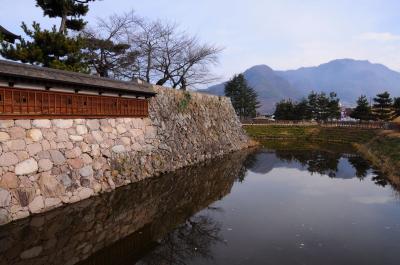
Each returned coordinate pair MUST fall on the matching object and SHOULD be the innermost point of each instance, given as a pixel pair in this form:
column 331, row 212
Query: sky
column 283, row 34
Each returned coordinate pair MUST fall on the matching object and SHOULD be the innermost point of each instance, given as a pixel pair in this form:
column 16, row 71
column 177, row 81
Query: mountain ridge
column 349, row 78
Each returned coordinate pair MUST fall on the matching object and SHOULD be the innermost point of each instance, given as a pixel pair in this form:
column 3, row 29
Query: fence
column 350, row 124
column 24, row 103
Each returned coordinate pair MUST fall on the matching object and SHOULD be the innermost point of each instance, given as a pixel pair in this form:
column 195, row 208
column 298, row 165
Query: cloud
column 378, row 36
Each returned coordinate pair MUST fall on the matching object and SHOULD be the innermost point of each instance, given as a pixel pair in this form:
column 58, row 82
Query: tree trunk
column 162, row 81
column 148, row 67
column 183, row 84
column 62, row 25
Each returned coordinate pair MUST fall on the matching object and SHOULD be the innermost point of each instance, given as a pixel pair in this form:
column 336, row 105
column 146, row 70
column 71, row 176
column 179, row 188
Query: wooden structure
column 7, row 35
column 35, row 92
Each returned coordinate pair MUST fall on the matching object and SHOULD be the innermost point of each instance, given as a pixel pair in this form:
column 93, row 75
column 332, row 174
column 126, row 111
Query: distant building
column 8, row 36
column 264, row 117
column 345, row 113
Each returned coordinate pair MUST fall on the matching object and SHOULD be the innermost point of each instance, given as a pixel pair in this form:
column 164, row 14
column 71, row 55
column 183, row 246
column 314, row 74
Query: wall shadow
column 125, row 225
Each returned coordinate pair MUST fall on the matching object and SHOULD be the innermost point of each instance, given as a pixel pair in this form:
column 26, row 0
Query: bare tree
column 183, row 61
column 147, row 41
column 128, row 47
column 107, row 46
column 192, row 67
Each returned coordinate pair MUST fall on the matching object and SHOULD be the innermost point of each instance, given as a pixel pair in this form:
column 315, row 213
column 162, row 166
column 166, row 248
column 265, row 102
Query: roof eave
column 96, row 88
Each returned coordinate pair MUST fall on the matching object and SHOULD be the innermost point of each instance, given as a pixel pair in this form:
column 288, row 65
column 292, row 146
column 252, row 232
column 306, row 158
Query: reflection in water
column 135, row 217
column 193, row 238
column 301, row 206
column 335, row 161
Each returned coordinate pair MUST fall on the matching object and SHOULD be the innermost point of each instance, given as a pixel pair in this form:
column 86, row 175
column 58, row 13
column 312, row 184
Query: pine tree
column 383, row 109
column 302, row 110
column 243, row 97
column 322, row 107
column 363, row 109
column 69, row 11
column 313, row 105
column 396, row 106
column 105, row 56
column 47, row 48
column 333, row 107
column 52, row 48
column 285, row 110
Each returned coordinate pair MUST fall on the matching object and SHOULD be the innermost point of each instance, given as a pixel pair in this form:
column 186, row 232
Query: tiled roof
column 24, row 72
column 8, row 36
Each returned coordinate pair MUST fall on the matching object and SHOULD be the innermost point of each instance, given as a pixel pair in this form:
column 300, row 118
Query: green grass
column 384, row 152
column 310, row 133
column 387, row 146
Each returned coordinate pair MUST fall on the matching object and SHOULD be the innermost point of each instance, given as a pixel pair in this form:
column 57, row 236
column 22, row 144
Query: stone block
column 6, row 124
column 4, row 136
column 86, row 171
column 63, row 124
column 45, row 165
column 76, row 138
column 121, row 128
column 8, row 159
column 34, row 148
column 41, row 123
column 98, row 136
column 9, row 180
column 118, row 149
column 81, row 129
column 57, row 157
column 26, row 124
column 73, row 153
column 22, row 155
column 17, row 132
column 36, row 205
column 5, row 198
column 26, row 167
column 35, row 135
column 75, row 163
column 85, row 193
column 49, row 185
column 52, row 202
column 16, row 145
column 93, row 124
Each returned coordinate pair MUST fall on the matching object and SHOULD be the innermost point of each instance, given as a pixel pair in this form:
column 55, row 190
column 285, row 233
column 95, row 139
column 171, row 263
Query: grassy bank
column 310, row 133
column 381, row 148
column 383, row 151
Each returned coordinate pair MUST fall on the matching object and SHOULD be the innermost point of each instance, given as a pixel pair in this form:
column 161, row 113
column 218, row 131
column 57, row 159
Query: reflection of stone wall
column 47, row 163
column 141, row 213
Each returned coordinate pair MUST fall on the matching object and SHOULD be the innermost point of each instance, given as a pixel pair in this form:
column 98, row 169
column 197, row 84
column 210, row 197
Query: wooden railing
column 29, row 103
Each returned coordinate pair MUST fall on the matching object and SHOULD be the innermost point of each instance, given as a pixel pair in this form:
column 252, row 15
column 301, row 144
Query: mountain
column 347, row 77
column 269, row 86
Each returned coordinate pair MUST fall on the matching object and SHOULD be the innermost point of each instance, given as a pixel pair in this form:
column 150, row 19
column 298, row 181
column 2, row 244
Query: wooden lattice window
column 24, row 103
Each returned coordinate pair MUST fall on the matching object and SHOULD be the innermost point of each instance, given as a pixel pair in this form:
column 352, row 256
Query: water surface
column 306, row 205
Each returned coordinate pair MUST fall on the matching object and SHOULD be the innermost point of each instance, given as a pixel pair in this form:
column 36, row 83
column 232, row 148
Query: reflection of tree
column 380, row 179
column 315, row 161
column 249, row 162
column 324, row 163
column 361, row 166
column 189, row 240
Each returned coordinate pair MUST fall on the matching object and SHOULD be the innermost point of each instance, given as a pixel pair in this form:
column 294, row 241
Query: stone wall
column 47, row 163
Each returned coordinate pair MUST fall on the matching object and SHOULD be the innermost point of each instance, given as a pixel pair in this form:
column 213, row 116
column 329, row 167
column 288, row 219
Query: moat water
column 274, row 205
